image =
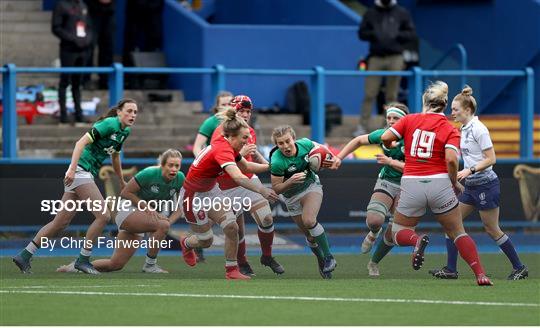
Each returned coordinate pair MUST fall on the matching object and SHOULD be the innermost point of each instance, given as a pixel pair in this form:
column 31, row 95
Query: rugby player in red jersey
column 260, row 208
column 202, row 200
column 430, row 179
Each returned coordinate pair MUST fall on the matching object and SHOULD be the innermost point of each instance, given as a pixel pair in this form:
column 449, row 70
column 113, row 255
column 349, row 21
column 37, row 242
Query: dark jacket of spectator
column 386, row 28
column 72, row 25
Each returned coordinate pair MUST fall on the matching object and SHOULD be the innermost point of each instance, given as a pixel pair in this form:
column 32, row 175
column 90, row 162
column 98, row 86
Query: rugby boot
column 444, row 273
column 271, row 262
column 188, row 254
column 22, row 264
column 418, row 253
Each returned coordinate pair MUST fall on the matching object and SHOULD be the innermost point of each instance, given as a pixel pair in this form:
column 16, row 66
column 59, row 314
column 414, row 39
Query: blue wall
column 497, row 34
column 191, row 41
column 282, row 12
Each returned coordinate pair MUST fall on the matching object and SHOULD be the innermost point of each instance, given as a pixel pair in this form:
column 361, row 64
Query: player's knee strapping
column 229, row 218
column 207, row 235
column 377, row 208
column 263, row 214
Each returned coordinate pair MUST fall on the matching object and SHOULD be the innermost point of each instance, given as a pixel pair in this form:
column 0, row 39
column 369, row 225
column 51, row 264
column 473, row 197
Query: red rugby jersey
column 225, row 181
column 209, row 165
column 426, row 136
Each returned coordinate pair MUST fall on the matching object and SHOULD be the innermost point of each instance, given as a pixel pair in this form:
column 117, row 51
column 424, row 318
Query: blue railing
column 463, row 59
column 219, row 73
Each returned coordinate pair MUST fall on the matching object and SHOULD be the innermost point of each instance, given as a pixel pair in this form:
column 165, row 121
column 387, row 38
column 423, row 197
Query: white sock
column 32, row 247
column 86, row 252
column 231, row 263
column 150, row 261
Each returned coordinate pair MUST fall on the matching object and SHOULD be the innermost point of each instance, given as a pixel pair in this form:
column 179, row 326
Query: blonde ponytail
column 435, row 97
column 231, row 123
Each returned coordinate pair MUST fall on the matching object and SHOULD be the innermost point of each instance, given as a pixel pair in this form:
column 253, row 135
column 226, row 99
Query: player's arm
column 243, row 181
column 389, row 137
column 178, row 213
column 130, row 191
column 251, row 167
column 259, row 158
column 350, row 147
column 198, row 145
column 280, row 185
column 451, row 158
column 77, row 151
column 394, row 163
column 117, row 166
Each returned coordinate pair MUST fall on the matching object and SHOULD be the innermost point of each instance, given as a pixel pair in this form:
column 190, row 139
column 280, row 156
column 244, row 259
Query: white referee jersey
column 475, row 139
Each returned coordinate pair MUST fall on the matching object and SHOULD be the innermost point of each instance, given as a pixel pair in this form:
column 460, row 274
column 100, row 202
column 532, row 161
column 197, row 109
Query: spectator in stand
column 71, row 24
column 387, row 27
column 102, row 15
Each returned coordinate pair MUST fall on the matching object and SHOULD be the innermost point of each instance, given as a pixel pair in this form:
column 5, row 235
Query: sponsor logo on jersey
column 109, row 150
column 292, row 168
column 154, row 188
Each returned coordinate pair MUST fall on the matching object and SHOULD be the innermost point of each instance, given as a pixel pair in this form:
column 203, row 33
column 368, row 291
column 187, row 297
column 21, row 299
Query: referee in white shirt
column 482, row 189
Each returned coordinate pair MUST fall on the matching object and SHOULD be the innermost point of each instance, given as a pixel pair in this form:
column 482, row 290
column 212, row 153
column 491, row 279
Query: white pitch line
column 82, row 286
column 280, row 298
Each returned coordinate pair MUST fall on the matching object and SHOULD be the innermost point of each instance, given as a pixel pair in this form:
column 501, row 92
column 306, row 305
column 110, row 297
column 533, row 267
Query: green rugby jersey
column 155, row 187
column 209, row 126
column 107, row 137
column 283, row 166
column 388, row 173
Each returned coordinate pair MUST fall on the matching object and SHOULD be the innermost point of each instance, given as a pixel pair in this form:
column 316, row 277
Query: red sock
column 266, row 239
column 406, row 237
column 467, row 249
column 241, row 254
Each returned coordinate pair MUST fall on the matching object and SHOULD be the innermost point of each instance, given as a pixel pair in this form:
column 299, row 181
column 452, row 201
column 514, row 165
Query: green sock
column 85, row 254
column 26, row 255
column 318, row 233
column 380, row 251
column 316, row 250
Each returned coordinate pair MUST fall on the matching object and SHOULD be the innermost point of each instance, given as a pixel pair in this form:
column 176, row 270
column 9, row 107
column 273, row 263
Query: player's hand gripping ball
column 317, row 156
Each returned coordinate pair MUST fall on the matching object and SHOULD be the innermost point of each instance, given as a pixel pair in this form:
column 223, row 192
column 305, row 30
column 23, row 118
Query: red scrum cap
column 241, row 101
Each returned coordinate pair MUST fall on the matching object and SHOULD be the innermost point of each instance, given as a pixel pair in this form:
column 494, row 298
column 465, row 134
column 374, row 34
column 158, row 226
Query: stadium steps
column 21, row 5
column 505, row 134
column 27, row 40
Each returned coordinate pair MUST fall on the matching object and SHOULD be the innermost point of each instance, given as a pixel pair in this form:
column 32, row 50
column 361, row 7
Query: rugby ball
column 316, row 156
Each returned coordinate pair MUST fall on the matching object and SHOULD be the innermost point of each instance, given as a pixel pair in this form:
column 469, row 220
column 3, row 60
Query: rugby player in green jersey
column 103, row 140
column 207, row 128
column 386, row 191
column 292, row 177
column 147, row 195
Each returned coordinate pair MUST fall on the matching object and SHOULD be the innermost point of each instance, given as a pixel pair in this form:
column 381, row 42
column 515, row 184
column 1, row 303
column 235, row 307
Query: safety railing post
column 526, row 125
column 218, row 80
column 9, row 119
column 116, row 84
column 415, row 92
column 463, row 53
column 317, row 111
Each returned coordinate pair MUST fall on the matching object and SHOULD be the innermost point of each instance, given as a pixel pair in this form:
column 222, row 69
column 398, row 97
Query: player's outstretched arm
column 77, row 151
column 199, row 143
column 234, row 172
column 350, row 147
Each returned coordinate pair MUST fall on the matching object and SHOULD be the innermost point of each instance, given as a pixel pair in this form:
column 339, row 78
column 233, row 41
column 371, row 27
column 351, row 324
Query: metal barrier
column 219, row 72
column 463, row 59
